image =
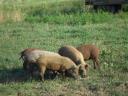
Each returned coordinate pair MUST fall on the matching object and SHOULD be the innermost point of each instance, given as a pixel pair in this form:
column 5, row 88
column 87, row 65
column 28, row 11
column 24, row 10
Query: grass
column 49, row 28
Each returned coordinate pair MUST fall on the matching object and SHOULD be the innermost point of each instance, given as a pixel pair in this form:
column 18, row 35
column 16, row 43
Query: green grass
column 49, row 28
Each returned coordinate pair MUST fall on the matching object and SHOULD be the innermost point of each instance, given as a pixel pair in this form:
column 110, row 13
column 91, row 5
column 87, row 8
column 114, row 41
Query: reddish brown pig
column 90, row 52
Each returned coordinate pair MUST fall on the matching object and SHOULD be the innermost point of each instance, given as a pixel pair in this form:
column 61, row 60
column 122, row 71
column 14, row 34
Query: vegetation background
column 49, row 24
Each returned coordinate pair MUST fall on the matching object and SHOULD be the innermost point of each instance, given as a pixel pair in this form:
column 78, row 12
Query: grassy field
column 49, row 24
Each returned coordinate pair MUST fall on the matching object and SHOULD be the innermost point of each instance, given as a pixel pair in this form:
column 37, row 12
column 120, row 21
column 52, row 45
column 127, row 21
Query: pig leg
column 42, row 71
column 96, row 63
column 25, row 65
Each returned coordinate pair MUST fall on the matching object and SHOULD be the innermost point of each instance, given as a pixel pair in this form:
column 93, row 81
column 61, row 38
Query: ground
column 30, row 25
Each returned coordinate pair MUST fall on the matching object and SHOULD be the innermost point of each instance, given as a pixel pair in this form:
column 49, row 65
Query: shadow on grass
column 19, row 75
column 13, row 75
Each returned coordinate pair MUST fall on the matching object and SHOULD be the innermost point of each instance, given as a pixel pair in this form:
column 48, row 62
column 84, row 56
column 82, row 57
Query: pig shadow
column 19, row 75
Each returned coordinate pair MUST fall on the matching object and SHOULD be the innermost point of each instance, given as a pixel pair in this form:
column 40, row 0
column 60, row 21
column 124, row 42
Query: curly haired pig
column 76, row 56
column 72, row 53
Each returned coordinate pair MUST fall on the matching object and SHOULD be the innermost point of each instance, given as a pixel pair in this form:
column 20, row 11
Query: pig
column 90, row 52
column 72, row 53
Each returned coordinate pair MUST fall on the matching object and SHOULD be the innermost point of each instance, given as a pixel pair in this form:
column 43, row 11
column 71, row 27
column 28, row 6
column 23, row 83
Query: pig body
column 72, row 53
column 57, row 63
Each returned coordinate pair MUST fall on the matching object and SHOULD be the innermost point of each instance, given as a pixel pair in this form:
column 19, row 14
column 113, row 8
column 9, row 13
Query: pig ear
column 86, row 66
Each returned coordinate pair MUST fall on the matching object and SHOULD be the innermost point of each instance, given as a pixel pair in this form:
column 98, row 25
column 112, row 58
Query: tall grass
column 56, row 12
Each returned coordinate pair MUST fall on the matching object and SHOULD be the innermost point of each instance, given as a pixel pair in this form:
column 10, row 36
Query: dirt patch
column 14, row 16
column 1, row 16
